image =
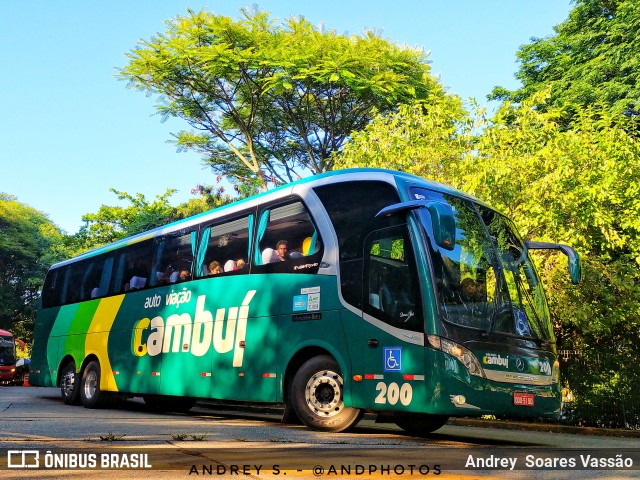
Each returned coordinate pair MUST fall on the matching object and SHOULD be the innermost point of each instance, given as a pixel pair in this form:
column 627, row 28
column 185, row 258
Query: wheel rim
column 323, row 394
column 90, row 384
column 68, row 382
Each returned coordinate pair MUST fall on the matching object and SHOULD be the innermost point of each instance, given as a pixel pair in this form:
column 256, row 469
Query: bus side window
column 223, row 248
column 52, row 289
column 133, row 267
column 173, row 256
column 287, row 240
column 74, row 281
column 391, row 281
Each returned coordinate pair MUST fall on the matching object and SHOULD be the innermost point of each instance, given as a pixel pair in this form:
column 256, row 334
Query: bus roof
column 351, row 174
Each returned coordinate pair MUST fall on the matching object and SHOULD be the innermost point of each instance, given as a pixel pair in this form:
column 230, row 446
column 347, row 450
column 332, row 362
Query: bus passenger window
column 287, row 240
column 133, row 267
column 223, row 248
column 172, row 258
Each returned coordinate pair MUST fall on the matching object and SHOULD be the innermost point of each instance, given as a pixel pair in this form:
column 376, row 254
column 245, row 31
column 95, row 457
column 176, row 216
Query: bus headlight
column 463, row 354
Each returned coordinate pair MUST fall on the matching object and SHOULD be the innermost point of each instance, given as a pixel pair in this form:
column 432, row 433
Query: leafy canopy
column 111, row 223
column 269, row 102
column 29, row 244
column 594, row 58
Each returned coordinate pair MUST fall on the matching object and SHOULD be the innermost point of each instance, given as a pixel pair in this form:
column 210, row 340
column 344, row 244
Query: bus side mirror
column 575, row 267
column 444, row 224
column 442, row 219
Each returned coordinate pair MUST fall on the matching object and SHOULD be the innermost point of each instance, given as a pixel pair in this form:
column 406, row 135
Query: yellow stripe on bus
column 98, row 339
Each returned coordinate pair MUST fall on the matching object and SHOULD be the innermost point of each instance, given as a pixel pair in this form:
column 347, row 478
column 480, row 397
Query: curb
column 542, row 427
column 272, row 410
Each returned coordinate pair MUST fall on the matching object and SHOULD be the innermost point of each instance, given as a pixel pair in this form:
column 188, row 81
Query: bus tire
column 420, row 423
column 90, row 393
column 317, row 396
column 70, row 384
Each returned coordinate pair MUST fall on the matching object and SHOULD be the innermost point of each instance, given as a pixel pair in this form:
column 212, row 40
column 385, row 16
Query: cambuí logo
column 496, row 359
column 181, row 333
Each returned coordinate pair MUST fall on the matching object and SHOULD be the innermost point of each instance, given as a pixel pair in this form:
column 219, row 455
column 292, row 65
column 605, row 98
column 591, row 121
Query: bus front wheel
column 317, row 393
column 90, row 393
column 69, row 384
column 420, row 423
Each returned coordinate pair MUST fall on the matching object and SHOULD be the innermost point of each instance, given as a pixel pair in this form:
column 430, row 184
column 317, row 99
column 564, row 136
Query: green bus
column 354, row 291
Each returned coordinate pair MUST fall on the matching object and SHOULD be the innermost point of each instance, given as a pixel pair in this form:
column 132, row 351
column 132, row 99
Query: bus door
column 386, row 344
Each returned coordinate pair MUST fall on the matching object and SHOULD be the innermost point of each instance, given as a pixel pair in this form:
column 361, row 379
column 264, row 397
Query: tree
column 425, row 141
column 112, row 223
column 593, row 58
column 29, row 244
column 267, row 102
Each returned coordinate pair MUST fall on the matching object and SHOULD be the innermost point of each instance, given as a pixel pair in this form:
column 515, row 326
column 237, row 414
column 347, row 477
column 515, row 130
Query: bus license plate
column 523, row 399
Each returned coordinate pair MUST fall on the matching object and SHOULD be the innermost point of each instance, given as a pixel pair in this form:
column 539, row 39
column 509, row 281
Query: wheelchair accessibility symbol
column 393, row 359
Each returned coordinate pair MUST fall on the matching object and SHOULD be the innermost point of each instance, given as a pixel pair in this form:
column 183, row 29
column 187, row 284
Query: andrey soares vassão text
column 578, row 461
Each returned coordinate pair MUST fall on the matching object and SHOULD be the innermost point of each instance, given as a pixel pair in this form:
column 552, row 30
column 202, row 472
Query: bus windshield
column 7, row 351
column 487, row 281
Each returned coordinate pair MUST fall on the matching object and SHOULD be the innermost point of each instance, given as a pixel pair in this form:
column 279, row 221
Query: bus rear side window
column 52, row 288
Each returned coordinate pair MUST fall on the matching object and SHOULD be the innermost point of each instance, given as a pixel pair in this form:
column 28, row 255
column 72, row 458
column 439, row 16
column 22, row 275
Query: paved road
column 233, row 444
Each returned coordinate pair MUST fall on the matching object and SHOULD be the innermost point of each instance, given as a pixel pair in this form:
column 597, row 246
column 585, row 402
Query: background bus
column 392, row 295
column 8, row 371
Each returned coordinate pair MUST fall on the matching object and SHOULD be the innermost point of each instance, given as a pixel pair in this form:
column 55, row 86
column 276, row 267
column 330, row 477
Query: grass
column 111, row 437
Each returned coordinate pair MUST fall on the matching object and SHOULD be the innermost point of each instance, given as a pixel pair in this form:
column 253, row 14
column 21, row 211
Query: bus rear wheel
column 90, row 393
column 317, row 393
column 69, row 384
column 420, row 423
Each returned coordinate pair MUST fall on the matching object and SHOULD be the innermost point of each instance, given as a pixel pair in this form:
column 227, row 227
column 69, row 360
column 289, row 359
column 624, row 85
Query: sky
column 70, row 131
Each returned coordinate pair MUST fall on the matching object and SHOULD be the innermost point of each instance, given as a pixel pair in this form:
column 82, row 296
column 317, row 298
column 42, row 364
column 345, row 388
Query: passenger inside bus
column 215, row 268
column 282, row 253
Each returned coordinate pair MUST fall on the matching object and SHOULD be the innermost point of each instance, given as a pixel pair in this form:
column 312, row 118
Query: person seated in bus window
column 230, row 266
column 214, row 268
column 95, row 292
column 185, row 275
column 471, row 291
column 282, row 248
column 240, row 264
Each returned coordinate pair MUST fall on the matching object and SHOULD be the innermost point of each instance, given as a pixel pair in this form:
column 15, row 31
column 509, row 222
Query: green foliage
column 425, row 139
column 267, row 102
column 111, row 223
column 579, row 186
column 594, row 58
column 29, row 244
